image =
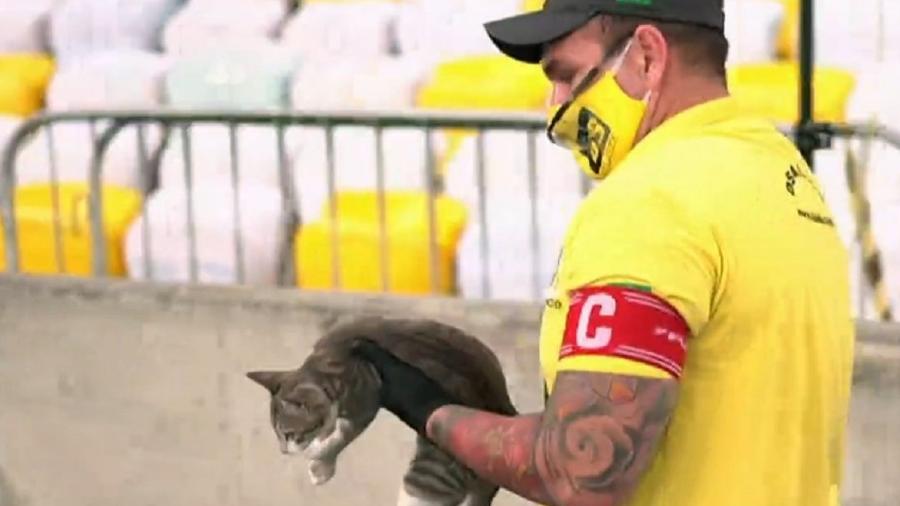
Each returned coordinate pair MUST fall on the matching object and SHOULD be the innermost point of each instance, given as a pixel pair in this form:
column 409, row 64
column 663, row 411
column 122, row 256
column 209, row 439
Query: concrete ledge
column 124, row 393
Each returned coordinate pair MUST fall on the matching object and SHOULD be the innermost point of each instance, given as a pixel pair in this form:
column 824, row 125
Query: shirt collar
column 692, row 119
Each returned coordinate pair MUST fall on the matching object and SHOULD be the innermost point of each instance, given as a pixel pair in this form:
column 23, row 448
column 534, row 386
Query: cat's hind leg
column 433, row 478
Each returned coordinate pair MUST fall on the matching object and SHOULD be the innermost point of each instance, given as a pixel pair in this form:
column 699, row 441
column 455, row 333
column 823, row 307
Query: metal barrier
column 181, row 122
column 105, row 126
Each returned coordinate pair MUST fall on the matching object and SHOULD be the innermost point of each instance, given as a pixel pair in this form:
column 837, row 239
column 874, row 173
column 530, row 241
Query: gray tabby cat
column 324, row 405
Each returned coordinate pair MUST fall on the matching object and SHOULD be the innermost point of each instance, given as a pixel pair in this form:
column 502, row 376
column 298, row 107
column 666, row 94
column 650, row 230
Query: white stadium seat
column 442, row 30
column 72, row 151
column 751, row 27
column 235, row 76
column 508, row 211
column 328, row 32
column 383, row 83
column 210, row 149
column 355, row 163
column 81, row 27
column 205, row 24
column 23, row 25
column 261, row 231
column 114, row 79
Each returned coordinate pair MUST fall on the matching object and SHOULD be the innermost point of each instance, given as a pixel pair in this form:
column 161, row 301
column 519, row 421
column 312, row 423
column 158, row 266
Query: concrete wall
column 115, row 393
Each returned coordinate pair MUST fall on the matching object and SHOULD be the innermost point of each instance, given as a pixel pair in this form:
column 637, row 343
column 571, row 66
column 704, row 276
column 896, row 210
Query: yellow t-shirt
column 717, row 213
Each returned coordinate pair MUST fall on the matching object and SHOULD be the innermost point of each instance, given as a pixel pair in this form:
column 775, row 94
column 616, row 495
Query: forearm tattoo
column 595, row 438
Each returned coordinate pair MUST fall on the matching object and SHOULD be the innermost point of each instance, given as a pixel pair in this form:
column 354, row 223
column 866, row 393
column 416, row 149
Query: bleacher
column 362, row 55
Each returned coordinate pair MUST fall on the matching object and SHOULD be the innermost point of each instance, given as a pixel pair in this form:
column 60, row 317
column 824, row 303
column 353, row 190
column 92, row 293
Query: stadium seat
column 36, row 224
column 205, row 24
column 109, row 80
column 752, row 28
column 441, row 30
column 891, row 51
column 23, row 82
column 483, row 83
column 327, row 32
column 380, row 83
column 235, row 76
column 210, row 149
column 359, row 244
column 8, row 126
column 771, row 90
column 260, row 230
column 81, row 27
column 846, row 33
column 355, row 163
column 492, row 82
column 875, row 96
column 23, row 26
column 73, row 155
column 508, row 231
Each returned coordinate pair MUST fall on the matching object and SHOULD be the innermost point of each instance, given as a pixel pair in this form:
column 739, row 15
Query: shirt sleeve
column 649, row 239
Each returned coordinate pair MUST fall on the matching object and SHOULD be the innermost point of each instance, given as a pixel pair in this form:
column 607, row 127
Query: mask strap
column 618, row 65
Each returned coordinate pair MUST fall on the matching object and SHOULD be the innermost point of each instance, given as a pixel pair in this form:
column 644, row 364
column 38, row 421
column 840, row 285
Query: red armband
column 623, row 322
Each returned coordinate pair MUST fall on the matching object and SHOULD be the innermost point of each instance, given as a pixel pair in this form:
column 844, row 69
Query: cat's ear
column 269, row 379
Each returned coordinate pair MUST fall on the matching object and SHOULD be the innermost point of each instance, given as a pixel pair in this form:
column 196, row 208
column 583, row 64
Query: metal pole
column 805, row 136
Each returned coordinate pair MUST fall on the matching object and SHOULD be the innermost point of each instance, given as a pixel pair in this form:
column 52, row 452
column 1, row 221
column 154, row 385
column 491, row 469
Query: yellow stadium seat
column 493, row 82
column 532, row 5
column 35, row 226
column 23, row 82
column 359, row 245
column 17, row 97
column 787, row 47
column 771, row 89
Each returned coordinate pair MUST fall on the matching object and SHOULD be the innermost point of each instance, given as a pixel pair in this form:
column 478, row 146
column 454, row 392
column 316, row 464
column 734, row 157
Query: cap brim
column 523, row 37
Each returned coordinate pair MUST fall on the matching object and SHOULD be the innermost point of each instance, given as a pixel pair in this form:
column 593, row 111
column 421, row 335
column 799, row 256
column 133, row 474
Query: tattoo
column 591, row 445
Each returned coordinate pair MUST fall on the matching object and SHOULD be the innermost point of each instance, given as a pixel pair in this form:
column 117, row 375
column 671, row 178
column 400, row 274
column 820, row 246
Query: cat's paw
column 320, row 471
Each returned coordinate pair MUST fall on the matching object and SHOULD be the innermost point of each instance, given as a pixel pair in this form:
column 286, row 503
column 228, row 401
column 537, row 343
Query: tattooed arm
column 591, row 445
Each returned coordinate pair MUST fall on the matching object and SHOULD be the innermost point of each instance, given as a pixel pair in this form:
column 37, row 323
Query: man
column 698, row 342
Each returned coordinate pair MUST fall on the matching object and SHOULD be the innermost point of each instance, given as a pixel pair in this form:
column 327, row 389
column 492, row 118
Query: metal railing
column 105, row 126
column 179, row 123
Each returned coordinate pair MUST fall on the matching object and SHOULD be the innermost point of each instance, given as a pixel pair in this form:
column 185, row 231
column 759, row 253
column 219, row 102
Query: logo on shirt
column 795, row 175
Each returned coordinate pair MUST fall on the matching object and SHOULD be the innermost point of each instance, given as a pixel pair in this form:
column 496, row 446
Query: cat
column 320, row 408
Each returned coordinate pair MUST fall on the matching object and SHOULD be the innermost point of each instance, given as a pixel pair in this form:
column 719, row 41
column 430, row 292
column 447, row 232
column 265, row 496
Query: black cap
column 523, row 37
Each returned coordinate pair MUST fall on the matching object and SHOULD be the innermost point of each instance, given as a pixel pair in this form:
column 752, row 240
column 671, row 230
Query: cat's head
column 299, row 409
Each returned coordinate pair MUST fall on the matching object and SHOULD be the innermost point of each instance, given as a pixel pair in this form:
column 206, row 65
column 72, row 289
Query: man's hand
column 590, row 446
column 405, row 390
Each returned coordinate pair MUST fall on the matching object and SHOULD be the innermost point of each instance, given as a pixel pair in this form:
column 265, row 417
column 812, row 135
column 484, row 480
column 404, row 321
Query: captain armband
column 624, row 322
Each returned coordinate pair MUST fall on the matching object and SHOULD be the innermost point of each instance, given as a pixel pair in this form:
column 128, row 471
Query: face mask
column 598, row 124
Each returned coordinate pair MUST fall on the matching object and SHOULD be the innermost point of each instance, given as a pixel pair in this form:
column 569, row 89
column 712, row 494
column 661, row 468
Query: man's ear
column 271, row 380
column 654, row 52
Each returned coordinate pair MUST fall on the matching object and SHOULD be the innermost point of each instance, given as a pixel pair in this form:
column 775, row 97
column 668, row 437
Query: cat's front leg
column 322, row 451
column 320, row 471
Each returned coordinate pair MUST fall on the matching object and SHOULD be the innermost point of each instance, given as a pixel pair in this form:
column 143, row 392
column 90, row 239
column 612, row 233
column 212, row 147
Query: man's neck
column 675, row 99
